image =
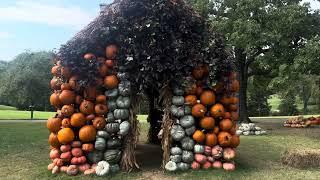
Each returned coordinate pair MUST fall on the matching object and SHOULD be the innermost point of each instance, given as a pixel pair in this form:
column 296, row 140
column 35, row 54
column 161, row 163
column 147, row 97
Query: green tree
column 26, row 80
column 288, row 105
column 262, row 32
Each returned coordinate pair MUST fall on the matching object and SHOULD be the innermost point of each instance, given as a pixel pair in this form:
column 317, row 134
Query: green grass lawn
column 14, row 114
column 3, row 107
column 24, row 151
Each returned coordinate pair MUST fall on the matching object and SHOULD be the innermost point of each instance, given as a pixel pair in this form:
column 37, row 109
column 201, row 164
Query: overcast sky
column 46, row 24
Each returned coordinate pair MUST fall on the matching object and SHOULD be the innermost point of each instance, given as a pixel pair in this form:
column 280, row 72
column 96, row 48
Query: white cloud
column 54, row 15
column 313, row 3
column 5, row 35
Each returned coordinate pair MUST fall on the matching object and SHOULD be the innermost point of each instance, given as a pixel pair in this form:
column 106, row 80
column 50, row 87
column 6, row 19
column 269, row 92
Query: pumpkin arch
column 161, row 48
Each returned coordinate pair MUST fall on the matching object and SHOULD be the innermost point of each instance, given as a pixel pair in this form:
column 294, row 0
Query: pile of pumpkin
column 300, row 122
column 250, row 129
column 204, row 130
column 87, row 131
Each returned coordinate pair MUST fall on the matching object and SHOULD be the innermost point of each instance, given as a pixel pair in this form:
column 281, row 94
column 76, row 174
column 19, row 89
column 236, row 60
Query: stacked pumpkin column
column 206, row 130
column 85, row 132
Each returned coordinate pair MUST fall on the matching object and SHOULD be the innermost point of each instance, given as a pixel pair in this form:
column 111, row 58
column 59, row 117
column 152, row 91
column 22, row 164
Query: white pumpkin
column 103, row 168
column 124, row 128
column 198, row 149
column 171, row 166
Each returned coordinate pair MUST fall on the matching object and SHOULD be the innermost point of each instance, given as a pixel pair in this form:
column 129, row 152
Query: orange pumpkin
column 190, row 100
column 233, row 75
column 54, row 100
column 111, row 81
column 198, row 136
column 65, row 136
column 198, row 110
column 67, row 97
column 73, row 83
column 224, row 139
column 66, row 122
column 234, row 86
column 225, row 100
column 111, row 51
column 55, row 83
column 99, row 122
column 53, row 140
column 87, row 133
column 207, row 123
column 102, row 99
column 216, row 130
column 211, row 139
column 101, row 109
column 78, row 120
column 226, row 125
column 54, row 124
column 89, row 56
column 217, row 111
column 207, row 97
column 234, row 116
column 67, row 110
column 233, row 130
column 87, row 107
column 235, row 141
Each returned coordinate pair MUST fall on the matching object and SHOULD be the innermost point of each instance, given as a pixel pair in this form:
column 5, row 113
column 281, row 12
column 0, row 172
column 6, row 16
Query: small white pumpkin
column 124, row 128
column 190, row 130
column 171, row 166
column 103, row 168
column 183, row 166
column 177, row 132
column 176, row 158
column 187, row 121
column 187, row 143
column 187, row 156
column 175, row 151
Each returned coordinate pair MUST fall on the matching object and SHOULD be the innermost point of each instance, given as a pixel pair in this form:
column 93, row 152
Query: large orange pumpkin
column 54, row 100
column 67, row 97
column 226, row 124
column 198, row 110
column 207, row 97
column 87, row 133
column 79, row 99
column 111, row 51
column 99, row 122
column 87, row 107
column 55, row 70
column 190, row 100
column 198, row 136
column 53, row 140
column 227, row 115
column 211, row 139
column 65, row 86
column 65, row 136
column 78, row 120
column 207, row 123
column 111, row 81
column 234, row 100
column 216, row 130
column 73, row 81
column 234, row 86
column 109, row 63
column 67, row 110
column 54, row 124
column 217, row 110
column 235, row 141
column 101, row 109
column 224, row 139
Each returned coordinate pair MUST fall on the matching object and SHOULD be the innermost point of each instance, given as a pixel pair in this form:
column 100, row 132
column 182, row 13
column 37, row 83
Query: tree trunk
column 243, row 79
column 305, row 98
